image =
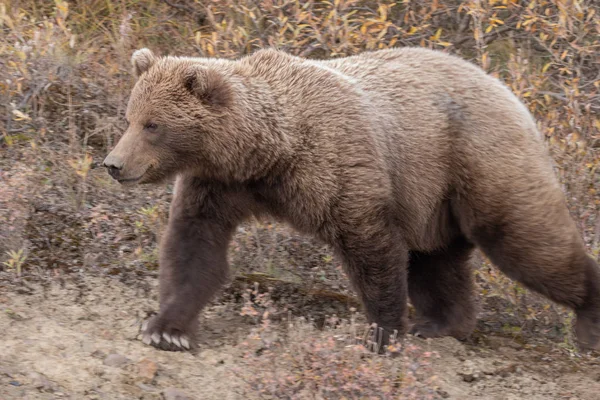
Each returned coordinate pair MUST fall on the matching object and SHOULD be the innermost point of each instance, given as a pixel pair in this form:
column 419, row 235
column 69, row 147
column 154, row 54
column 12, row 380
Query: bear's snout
column 114, row 166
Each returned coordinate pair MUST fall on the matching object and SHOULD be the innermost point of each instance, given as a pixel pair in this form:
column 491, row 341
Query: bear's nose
column 113, row 171
column 113, row 166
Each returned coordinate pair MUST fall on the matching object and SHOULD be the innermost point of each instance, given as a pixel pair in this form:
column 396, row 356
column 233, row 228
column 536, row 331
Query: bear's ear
column 208, row 85
column 142, row 60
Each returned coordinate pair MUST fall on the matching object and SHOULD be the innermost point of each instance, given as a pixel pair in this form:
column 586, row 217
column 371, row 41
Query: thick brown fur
column 402, row 160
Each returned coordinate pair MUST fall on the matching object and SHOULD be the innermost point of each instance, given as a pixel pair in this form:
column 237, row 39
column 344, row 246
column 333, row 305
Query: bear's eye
column 151, row 126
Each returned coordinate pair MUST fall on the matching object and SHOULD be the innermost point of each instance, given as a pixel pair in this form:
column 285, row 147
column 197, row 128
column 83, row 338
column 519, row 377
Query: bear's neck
column 263, row 132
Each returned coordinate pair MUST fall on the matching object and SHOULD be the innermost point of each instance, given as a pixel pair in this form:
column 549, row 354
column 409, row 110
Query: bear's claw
column 185, row 343
column 164, row 338
column 156, row 338
column 176, row 341
column 146, row 339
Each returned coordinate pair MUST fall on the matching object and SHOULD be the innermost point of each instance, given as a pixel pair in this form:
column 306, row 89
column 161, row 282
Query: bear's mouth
column 129, row 181
column 139, row 179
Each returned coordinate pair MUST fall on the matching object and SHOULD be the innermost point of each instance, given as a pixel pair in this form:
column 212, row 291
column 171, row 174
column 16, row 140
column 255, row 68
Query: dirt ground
column 78, row 340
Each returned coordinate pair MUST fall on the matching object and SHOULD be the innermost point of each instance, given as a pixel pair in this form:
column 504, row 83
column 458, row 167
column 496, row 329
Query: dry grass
column 64, row 82
column 299, row 361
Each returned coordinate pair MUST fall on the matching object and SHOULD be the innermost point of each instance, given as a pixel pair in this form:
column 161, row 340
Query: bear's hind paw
column 587, row 329
column 425, row 329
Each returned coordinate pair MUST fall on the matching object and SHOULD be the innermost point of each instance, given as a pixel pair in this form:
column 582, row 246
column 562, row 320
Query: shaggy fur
column 402, row 160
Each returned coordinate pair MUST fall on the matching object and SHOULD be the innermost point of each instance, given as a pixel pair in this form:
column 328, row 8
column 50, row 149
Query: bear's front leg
column 192, row 264
column 377, row 264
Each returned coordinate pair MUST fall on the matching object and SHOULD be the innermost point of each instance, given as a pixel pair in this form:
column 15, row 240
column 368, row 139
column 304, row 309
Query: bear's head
column 177, row 117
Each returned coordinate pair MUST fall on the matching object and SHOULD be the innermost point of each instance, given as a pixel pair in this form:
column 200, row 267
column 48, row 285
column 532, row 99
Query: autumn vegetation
column 65, row 79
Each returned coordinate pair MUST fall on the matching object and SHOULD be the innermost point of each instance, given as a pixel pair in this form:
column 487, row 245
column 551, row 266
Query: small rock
column 469, row 377
column 469, row 373
column 98, row 354
column 147, row 370
column 506, row 371
column 16, row 316
column 115, row 360
column 40, row 382
column 519, row 370
column 107, row 334
column 175, row 394
column 15, row 383
column 146, row 388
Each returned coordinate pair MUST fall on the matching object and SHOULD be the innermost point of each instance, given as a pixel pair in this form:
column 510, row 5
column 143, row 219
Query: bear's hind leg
column 440, row 285
column 377, row 267
column 550, row 260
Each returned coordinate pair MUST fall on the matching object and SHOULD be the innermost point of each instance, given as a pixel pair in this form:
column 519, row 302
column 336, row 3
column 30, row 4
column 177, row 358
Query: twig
column 596, row 232
column 487, row 39
column 555, row 95
column 178, row 6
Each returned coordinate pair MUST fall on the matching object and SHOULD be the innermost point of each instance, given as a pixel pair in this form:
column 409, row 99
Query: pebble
column 146, row 388
column 470, row 377
column 175, row 394
column 98, row 354
column 115, row 360
column 469, row 372
column 40, row 382
column 146, row 370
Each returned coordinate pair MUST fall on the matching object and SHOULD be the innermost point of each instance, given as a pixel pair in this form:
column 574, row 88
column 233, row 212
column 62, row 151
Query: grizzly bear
column 402, row 160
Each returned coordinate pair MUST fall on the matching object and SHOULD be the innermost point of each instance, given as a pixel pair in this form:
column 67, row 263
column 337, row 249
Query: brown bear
column 402, row 160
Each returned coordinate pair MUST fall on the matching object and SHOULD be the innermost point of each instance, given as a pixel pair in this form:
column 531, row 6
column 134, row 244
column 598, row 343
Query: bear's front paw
column 160, row 334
